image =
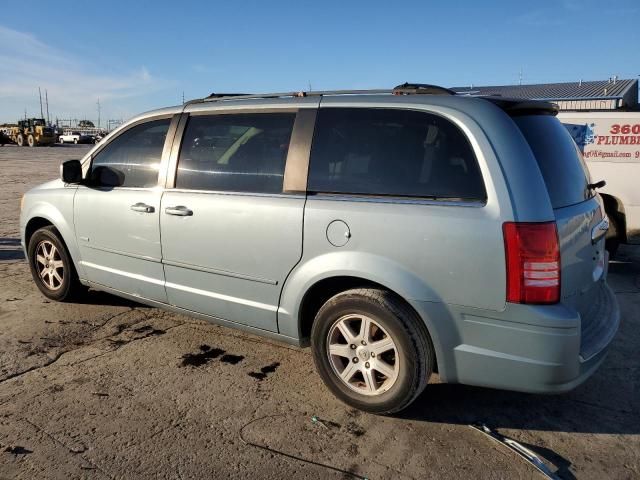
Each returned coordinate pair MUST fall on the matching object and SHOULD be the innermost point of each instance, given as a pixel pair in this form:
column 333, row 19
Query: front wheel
column 372, row 350
column 51, row 266
column 75, row 140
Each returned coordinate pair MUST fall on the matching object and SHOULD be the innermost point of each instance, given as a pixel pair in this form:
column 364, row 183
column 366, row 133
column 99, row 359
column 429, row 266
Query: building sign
column 606, row 139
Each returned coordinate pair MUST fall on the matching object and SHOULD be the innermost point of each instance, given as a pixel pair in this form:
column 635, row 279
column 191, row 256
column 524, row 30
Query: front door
column 116, row 212
column 230, row 236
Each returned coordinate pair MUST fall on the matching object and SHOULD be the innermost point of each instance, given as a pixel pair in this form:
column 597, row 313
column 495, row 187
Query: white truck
column 610, row 144
column 75, row 137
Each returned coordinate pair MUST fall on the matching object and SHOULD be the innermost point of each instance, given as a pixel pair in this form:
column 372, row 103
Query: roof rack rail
column 219, row 95
column 404, row 89
column 421, row 88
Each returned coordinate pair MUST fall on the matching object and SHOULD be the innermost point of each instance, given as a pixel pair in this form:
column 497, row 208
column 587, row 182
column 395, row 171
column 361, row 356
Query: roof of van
column 424, row 95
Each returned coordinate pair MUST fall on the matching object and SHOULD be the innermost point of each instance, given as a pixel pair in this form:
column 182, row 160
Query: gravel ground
column 112, row 389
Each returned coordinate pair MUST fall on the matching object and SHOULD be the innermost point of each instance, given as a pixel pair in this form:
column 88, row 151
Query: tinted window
column 235, row 152
column 392, row 152
column 560, row 161
column 132, row 159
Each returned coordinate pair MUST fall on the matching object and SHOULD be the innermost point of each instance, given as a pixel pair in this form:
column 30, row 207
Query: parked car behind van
column 397, row 233
column 610, row 144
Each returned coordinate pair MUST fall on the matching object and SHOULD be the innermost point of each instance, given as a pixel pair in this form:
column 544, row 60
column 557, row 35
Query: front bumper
column 527, row 348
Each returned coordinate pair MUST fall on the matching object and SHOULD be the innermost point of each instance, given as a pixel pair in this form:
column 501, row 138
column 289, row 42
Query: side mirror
column 71, row 171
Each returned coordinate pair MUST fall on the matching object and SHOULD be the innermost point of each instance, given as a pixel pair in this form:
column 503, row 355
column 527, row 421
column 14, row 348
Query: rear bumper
column 527, row 348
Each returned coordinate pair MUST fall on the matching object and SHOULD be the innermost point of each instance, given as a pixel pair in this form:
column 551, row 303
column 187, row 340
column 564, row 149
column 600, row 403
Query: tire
column 31, row 141
column 612, row 241
column 411, row 356
column 75, row 140
column 40, row 245
column 20, row 140
column 61, row 140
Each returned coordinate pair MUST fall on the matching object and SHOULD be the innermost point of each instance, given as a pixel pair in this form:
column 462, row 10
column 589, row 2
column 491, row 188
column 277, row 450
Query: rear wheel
column 372, row 350
column 75, row 140
column 51, row 266
column 61, row 140
column 20, row 140
column 612, row 241
column 31, row 141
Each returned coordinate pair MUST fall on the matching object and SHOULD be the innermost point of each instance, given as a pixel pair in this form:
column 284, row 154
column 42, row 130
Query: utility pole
column 46, row 96
column 98, row 112
column 520, row 77
column 41, row 112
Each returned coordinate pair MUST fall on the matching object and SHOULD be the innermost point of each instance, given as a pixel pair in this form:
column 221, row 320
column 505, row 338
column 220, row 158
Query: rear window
column 559, row 159
column 367, row 151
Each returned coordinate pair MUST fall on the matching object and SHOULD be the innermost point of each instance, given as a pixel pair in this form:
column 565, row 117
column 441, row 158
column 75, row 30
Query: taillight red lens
column 533, row 262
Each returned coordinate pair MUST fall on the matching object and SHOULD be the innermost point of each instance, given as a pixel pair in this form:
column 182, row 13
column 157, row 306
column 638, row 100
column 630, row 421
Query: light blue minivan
column 396, row 232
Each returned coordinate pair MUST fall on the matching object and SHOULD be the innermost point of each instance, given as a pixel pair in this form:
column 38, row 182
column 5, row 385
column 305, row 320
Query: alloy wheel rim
column 49, row 265
column 362, row 354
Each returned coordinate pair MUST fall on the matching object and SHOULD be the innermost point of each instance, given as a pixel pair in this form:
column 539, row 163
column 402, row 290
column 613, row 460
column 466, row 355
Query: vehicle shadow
column 467, row 405
column 97, row 297
column 10, row 249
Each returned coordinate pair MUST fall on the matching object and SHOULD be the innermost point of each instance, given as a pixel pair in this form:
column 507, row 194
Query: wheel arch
column 314, row 282
column 39, row 219
column 614, row 208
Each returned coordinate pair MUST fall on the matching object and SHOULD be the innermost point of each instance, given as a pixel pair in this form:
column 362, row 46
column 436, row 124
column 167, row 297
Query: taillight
column 533, row 262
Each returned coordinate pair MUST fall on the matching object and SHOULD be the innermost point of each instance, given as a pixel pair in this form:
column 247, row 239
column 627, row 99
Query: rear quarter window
column 563, row 169
column 392, row 152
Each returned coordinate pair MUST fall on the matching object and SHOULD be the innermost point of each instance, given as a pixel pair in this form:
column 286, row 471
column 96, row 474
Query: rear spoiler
column 518, row 106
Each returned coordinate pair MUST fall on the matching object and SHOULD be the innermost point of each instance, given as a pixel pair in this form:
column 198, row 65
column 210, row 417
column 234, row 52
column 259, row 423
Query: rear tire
column 20, row 140
column 51, row 266
column 612, row 241
column 371, row 350
column 75, row 140
column 61, row 140
column 31, row 141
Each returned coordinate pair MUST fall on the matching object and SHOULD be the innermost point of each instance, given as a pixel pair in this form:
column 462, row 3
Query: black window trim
column 297, row 161
column 395, row 198
column 88, row 162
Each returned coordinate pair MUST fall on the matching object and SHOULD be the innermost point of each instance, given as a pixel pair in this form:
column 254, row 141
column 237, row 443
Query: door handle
column 142, row 207
column 179, row 210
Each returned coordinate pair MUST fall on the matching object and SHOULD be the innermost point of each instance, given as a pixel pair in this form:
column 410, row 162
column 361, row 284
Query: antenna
column 520, row 77
column 310, row 86
column 41, row 112
column 46, row 96
column 183, row 96
column 98, row 103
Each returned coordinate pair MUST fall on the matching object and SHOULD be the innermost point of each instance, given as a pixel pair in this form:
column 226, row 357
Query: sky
column 139, row 55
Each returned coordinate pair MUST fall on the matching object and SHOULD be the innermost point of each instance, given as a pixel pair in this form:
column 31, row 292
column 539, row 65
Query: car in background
column 75, row 137
column 97, row 138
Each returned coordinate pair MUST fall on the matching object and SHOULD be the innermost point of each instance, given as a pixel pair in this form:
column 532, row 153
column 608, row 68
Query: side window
column 392, row 152
column 235, row 152
column 132, row 159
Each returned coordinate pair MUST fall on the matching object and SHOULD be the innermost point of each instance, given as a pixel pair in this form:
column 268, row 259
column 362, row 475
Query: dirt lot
column 113, row 389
